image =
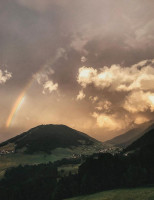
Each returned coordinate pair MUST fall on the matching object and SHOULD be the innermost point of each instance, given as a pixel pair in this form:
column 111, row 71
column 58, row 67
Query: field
column 20, row 158
column 121, row 194
column 12, row 160
column 15, row 159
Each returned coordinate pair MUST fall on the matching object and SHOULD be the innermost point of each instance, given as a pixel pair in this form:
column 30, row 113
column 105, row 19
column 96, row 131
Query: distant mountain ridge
column 144, row 143
column 49, row 137
column 130, row 136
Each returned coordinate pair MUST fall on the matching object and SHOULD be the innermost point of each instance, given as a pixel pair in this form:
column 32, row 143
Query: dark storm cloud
column 108, row 31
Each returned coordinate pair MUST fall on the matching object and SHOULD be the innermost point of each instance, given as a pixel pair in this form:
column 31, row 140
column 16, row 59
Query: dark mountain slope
column 48, row 137
column 130, row 136
column 145, row 143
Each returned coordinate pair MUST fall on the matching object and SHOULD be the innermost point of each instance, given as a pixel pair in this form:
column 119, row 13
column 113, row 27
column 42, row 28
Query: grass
column 15, row 159
column 121, row 194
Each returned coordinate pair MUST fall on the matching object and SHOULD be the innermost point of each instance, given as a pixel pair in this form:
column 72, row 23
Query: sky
column 88, row 64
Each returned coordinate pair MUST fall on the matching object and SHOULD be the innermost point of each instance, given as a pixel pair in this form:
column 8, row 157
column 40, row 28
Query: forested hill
column 48, row 137
column 145, row 143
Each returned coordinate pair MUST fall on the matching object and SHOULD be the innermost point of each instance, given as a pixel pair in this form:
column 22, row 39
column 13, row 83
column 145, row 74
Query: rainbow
column 17, row 104
column 21, row 97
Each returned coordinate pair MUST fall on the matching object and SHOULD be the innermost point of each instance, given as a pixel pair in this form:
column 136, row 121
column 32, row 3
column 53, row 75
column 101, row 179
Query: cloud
column 139, row 101
column 43, row 78
column 78, row 43
column 104, row 105
column 141, row 119
column 49, row 86
column 99, row 108
column 83, row 59
column 101, row 104
column 4, row 76
column 109, row 122
column 60, row 53
column 93, row 99
column 86, row 76
column 124, row 94
column 135, row 82
column 81, row 95
column 119, row 78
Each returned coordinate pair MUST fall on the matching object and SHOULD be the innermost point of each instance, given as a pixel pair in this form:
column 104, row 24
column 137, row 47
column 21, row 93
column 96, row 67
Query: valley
column 47, row 143
column 79, row 166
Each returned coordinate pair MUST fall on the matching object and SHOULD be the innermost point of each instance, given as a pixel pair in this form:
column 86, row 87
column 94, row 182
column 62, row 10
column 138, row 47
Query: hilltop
column 45, row 138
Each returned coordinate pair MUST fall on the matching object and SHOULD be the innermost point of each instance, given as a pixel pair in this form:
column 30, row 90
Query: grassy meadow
column 12, row 160
column 15, row 159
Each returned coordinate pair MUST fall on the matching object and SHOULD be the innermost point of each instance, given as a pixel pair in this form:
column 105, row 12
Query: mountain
column 47, row 143
column 130, row 136
column 45, row 138
column 96, row 173
column 143, row 144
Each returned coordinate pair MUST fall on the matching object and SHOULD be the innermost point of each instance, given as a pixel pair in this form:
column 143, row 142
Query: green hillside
column 46, row 143
column 15, row 159
column 45, row 138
